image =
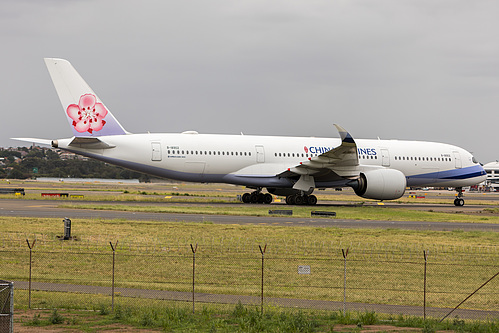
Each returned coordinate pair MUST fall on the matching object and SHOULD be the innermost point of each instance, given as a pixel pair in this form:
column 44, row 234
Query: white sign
column 303, row 269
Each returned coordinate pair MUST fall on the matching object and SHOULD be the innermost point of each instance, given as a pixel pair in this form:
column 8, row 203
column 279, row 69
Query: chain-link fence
column 375, row 278
column 6, row 306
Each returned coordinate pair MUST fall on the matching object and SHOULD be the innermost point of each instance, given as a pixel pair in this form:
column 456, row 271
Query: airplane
column 285, row 166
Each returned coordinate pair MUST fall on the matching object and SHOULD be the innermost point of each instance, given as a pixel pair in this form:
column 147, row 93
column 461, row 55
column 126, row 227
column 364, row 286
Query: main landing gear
column 299, row 199
column 257, row 197
column 459, row 201
column 266, row 198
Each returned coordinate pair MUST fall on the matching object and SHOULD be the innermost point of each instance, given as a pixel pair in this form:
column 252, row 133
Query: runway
column 50, row 209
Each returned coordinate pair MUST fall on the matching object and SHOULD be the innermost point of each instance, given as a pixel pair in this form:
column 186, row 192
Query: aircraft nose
column 483, row 174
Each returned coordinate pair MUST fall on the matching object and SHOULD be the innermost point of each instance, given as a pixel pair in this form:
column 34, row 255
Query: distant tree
column 16, row 173
column 36, row 153
column 49, row 164
column 8, row 153
column 52, row 155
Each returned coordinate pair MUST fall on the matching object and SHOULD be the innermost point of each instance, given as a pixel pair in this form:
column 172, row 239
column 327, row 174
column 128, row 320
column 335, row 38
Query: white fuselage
column 255, row 161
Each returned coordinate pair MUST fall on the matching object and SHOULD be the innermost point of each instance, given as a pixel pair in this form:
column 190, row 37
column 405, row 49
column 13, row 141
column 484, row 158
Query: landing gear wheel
column 312, row 200
column 267, row 199
column 246, row 198
column 254, row 197
column 290, row 200
column 299, row 200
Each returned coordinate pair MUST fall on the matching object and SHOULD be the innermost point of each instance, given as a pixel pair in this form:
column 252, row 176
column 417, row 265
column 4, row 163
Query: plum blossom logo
column 88, row 115
column 306, row 149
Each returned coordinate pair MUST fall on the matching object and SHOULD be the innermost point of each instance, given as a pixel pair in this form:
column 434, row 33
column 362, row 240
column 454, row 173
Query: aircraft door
column 260, row 154
column 457, row 159
column 156, row 151
column 385, row 157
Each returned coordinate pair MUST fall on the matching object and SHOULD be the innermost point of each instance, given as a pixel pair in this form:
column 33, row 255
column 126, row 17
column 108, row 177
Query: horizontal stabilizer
column 90, row 143
column 34, row 140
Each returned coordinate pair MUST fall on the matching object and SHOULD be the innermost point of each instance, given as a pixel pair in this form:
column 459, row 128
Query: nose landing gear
column 459, row 201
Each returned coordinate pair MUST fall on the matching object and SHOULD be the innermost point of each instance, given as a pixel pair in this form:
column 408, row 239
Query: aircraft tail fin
column 87, row 115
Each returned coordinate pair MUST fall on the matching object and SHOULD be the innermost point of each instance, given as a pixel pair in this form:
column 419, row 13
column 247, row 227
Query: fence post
column 425, row 254
column 31, row 246
column 262, row 251
column 194, row 249
column 345, row 254
column 112, row 285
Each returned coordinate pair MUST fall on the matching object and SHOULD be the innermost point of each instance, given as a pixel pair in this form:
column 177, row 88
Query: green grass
column 178, row 317
column 158, row 234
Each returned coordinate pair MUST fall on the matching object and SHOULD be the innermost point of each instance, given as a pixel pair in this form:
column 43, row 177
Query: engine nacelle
column 380, row 184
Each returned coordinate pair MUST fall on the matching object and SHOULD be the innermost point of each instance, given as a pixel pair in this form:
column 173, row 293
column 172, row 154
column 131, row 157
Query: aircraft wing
column 342, row 161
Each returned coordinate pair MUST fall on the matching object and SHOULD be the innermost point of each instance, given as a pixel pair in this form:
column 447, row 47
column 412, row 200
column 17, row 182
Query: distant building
column 492, row 170
column 65, row 155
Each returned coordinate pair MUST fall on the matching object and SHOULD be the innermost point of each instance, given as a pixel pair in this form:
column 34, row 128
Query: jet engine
column 380, row 184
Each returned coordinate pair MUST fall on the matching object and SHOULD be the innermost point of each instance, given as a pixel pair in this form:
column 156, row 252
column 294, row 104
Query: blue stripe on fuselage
column 446, row 175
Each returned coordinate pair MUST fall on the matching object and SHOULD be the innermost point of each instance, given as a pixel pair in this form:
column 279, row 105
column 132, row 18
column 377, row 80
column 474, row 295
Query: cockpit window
column 474, row 160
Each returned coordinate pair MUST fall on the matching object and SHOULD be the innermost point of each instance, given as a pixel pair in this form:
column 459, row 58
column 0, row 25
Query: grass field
column 385, row 266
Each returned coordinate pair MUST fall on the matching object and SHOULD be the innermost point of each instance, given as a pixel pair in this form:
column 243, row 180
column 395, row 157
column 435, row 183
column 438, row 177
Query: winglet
column 345, row 136
column 86, row 114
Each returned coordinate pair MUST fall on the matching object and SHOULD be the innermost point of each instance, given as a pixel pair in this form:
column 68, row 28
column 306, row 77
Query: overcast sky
column 394, row 69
